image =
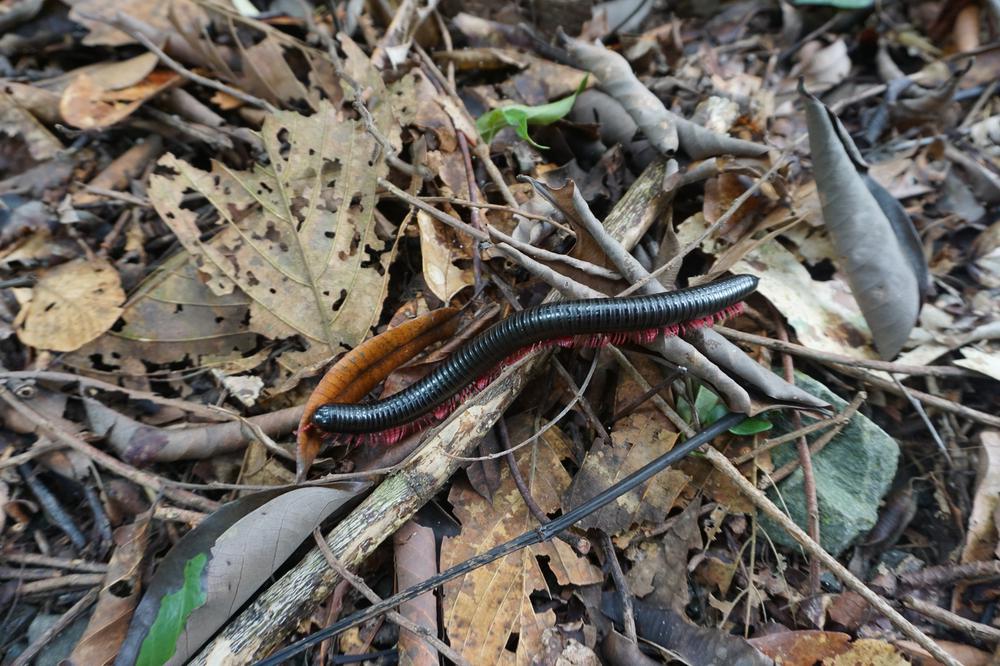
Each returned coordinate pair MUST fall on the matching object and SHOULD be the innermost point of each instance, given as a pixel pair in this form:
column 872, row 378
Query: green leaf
column 519, row 116
column 161, row 642
column 752, row 426
column 710, row 409
column 704, row 403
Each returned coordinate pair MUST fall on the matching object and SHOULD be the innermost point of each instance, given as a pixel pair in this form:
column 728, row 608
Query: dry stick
column 715, row 226
column 926, row 398
column 32, row 559
column 542, row 254
column 359, row 584
column 209, row 411
column 840, row 419
column 62, row 582
column 785, row 471
column 947, row 574
column 972, row 629
column 658, row 401
column 112, row 464
column 628, row 613
column 760, row 500
column 440, row 215
column 841, row 359
column 492, row 206
column 808, row 474
column 32, row 453
column 57, row 627
column 923, row 417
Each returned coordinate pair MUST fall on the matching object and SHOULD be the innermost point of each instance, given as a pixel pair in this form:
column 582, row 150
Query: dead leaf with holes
column 485, row 607
column 173, row 316
column 296, row 235
column 636, row 440
column 70, row 305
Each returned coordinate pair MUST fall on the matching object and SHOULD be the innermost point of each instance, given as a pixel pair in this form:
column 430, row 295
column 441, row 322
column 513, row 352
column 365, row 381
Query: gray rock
column 853, row 472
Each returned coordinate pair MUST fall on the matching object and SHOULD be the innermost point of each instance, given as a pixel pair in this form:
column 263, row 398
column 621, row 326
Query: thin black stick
column 537, row 535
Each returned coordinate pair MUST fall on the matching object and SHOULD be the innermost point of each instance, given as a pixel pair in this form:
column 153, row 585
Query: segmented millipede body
column 592, row 322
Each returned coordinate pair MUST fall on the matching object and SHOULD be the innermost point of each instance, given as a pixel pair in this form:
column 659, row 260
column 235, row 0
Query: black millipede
column 592, row 322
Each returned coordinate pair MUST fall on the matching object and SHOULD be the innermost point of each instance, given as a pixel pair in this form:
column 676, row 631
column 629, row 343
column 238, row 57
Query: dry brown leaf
column 868, row 651
column 120, row 593
column 87, row 105
column 635, row 440
column 298, row 234
column 483, row 608
column 802, row 647
column 174, row 316
column 71, row 305
column 440, row 253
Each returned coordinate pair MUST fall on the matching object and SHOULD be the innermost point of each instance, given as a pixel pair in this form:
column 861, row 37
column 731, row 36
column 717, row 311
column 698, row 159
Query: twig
column 628, row 613
column 949, row 573
column 577, row 543
column 362, row 587
column 36, row 450
column 784, row 471
column 62, row 582
column 440, row 215
column 715, row 226
column 926, row 398
column 839, row 419
column 658, row 401
column 760, row 500
column 156, row 483
column 970, row 628
column 923, row 417
column 32, row 559
column 542, row 254
column 57, row 627
column 808, row 475
column 840, row 359
column 545, row 428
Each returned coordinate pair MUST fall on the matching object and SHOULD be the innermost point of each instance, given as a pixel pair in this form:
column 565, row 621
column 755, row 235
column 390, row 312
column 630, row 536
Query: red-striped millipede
column 592, row 322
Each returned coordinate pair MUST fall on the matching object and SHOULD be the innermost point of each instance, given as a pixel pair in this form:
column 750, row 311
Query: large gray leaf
column 242, row 545
column 881, row 277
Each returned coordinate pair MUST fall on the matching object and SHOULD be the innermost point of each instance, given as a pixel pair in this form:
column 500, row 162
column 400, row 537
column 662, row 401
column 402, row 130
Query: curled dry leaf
column 71, row 305
column 120, row 593
column 441, row 251
column 87, row 105
column 362, row 368
column 881, row 277
column 697, row 646
column 219, row 564
column 298, row 235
